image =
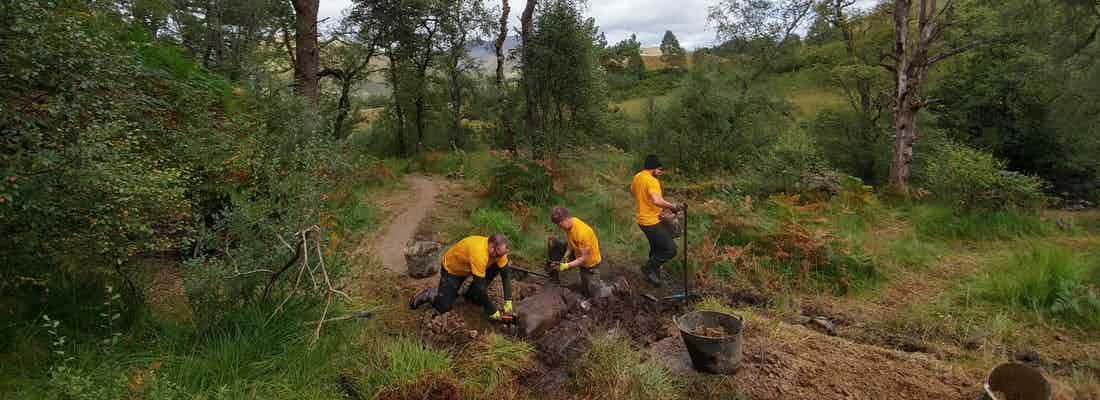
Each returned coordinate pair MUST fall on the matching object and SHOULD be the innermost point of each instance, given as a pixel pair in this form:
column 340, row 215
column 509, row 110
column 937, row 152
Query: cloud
column 618, row 19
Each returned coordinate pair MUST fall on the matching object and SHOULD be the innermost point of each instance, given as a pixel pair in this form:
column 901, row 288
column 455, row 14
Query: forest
column 212, row 199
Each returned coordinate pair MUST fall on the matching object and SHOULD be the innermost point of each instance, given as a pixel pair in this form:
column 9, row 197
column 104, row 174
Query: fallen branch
column 354, row 315
column 297, row 254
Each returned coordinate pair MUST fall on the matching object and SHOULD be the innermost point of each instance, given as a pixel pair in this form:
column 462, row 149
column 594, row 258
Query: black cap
column 651, row 162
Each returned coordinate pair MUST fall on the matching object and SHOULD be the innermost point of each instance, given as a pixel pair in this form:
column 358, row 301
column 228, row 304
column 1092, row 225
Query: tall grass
column 493, row 361
column 945, row 223
column 611, row 369
column 1045, row 281
column 247, row 355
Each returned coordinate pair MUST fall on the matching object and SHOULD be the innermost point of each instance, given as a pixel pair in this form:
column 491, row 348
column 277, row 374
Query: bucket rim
column 676, row 320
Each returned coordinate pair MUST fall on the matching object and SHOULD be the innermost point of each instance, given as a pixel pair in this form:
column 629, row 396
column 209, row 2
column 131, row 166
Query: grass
column 947, row 224
column 911, row 252
column 611, row 369
column 246, row 356
column 493, row 361
column 1047, row 282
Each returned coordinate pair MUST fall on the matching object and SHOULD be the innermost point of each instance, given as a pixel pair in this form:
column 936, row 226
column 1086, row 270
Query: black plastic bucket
column 716, row 355
column 1015, row 381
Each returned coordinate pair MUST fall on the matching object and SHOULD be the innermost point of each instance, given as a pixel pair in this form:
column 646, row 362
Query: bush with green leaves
column 975, row 180
column 125, row 148
column 710, row 124
column 852, row 143
column 521, row 181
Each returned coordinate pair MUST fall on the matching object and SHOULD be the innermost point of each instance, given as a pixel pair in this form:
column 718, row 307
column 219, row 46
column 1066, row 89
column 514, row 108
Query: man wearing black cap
column 647, row 194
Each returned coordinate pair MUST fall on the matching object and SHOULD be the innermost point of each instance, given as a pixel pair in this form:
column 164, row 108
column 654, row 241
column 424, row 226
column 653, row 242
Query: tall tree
column 505, row 114
column 307, row 56
column 625, row 57
column 671, row 53
column 348, row 59
column 564, row 75
column 530, row 118
column 914, row 53
column 760, row 29
column 462, row 22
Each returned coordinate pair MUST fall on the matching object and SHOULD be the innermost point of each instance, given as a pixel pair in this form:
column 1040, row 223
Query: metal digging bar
column 686, row 295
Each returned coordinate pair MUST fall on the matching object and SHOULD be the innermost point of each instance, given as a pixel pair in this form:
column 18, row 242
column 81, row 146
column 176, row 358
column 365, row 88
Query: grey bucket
column 708, row 354
column 1017, row 381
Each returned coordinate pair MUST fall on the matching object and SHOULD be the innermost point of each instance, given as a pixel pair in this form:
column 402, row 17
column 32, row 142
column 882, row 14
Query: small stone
column 823, row 324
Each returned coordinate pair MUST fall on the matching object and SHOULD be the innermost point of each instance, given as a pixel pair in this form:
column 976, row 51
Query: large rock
column 423, row 258
column 541, row 311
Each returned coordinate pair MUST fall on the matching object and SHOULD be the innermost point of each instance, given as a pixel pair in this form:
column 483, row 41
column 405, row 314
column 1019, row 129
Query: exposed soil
column 416, row 204
column 791, row 362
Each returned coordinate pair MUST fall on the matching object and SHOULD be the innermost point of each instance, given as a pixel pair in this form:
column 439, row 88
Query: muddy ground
column 780, row 359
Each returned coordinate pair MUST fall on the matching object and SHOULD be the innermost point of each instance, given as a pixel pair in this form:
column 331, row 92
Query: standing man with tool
column 480, row 256
column 647, row 194
column 585, row 250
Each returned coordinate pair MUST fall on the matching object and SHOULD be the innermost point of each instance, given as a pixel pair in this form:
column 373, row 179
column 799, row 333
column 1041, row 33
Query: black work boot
column 423, row 296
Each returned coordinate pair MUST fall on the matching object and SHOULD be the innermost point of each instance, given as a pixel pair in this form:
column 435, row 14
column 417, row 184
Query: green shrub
column 611, row 369
column 852, row 143
column 488, row 220
column 975, row 180
column 521, row 181
column 1046, row 281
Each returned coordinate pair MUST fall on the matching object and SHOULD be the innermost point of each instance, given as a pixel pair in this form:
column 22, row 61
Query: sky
column 618, row 19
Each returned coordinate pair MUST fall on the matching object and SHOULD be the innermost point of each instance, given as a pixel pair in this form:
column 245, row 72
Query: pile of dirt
column 714, row 332
column 446, row 330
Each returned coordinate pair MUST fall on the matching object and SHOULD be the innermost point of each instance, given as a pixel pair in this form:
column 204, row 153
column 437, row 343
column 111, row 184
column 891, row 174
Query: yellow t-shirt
column 644, row 184
column 470, row 255
column 582, row 237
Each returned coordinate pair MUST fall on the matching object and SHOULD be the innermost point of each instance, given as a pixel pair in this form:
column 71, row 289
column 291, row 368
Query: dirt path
column 418, row 203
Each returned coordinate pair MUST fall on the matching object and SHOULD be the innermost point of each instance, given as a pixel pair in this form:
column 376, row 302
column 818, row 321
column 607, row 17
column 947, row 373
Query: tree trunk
column 904, row 116
column 343, row 107
column 456, row 107
column 212, row 55
column 399, row 112
column 505, row 115
column 530, row 115
column 458, row 49
column 419, row 122
column 307, row 57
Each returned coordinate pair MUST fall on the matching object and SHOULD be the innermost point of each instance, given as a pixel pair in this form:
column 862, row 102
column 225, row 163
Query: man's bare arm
column 660, row 201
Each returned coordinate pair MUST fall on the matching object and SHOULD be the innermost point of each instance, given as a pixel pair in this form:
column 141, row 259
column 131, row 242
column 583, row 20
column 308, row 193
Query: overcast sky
column 649, row 19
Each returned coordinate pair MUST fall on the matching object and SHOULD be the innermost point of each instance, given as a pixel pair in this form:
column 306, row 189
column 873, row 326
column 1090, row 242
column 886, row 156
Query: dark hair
column 498, row 239
column 559, row 214
column 652, row 162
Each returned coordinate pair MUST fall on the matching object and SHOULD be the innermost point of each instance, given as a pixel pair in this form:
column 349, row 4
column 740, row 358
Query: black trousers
column 661, row 245
column 449, row 285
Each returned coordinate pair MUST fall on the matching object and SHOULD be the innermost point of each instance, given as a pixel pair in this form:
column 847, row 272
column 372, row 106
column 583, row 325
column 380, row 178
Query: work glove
column 496, row 316
column 563, row 266
column 507, row 306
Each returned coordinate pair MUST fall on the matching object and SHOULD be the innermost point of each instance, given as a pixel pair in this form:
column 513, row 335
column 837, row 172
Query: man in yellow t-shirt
column 482, row 257
column 585, row 250
column 647, row 194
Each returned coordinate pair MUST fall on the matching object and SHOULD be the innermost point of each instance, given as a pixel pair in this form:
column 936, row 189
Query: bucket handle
column 676, row 321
